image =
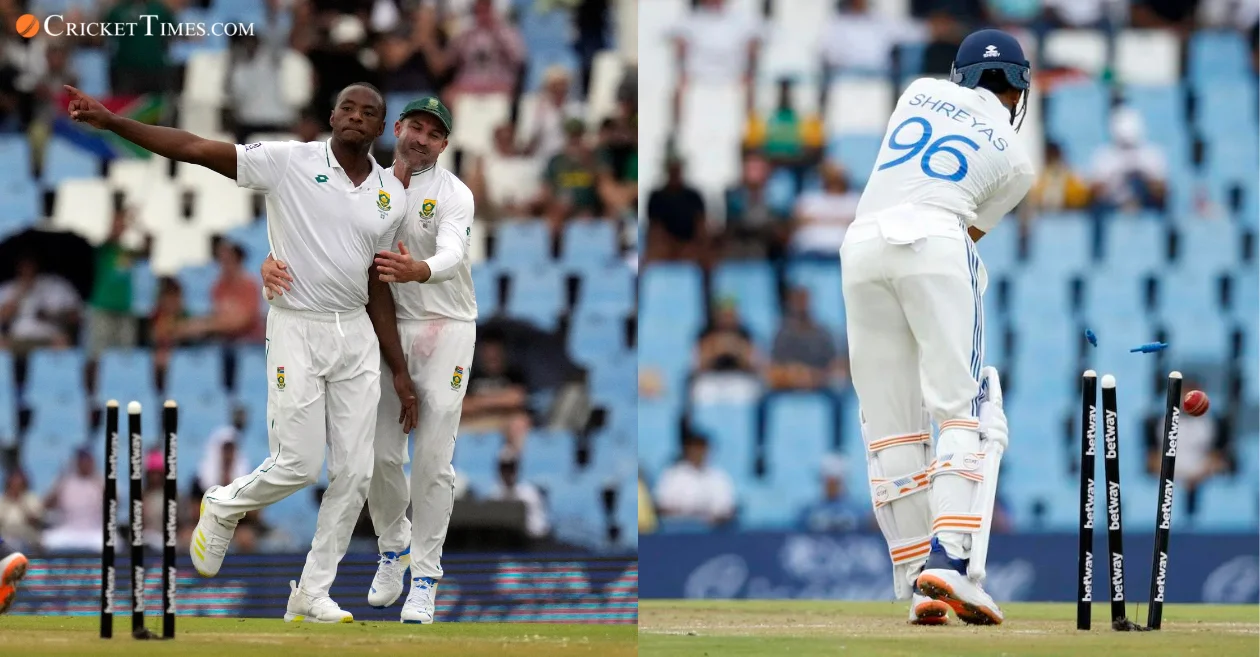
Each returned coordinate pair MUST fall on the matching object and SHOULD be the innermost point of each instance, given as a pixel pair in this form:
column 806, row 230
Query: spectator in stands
column 21, row 512
column 726, row 362
column 237, row 316
column 1129, row 173
column 754, row 228
column 165, row 322
column 510, row 487
column 222, row 463
column 857, row 40
column 677, row 228
column 945, row 35
column 805, row 355
column 497, row 394
column 337, row 64
column 786, row 138
column 1057, row 188
column 1075, row 14
column 570, row 182
column 488, row 56
column 693, row 489
column 138, row 62
column 836, row 512
column 647, row 511
column 505, row 181
column 1177, row 15
column 257, row 97
column 110, row 322
column 822, row 217
column 43, row 78
column 1203, row 444
column 554, row 107
column 38, row 310
column 618, row 156
column 74, row 504
column 716, row 45
column 412, row 58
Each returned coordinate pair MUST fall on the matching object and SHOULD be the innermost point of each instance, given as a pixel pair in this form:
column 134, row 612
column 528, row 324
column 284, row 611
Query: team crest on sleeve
column 457, row 379
column 382, row 201
column 428, row 208
column 279, row 378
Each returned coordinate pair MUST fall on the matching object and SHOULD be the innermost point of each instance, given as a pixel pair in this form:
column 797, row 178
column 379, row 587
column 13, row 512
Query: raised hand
column 86, row 109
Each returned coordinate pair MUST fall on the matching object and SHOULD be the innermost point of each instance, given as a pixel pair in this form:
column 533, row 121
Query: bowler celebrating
column 950, row 167
column 437, row 314
column 330, row 207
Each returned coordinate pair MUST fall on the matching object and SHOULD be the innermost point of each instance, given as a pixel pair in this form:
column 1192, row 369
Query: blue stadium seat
column 576, row 509
column 197, row 283
column 1076, row 118
column 1112, row 295
column 614, row 376
column 1037, row 295
column 92, row 67
column 296, row 516
column 588, row 245
column 54, row 373
column 1162, row 107
column 730, row 429
column 763, row 507
column 593, row 336
column 522, row 244
column 1134, row 243
column 15, row 157
column 60, row 422
column 999, row 249
column 194, row 372
column 144, row 289
column 49, row 453
column 1195, row 344
column 537, row 296
column 1220, row 505
column 613, row 458
column 826, row 295
column 667, row 352
column 476, row 459
column 607, row 291
column 857, row 154
column 658, row 434
column 674, row 294
column 1246, row 295
column 1224, row 107
column 1232, row 158
column 486, row 286
column 254, row 239
column 1038, row 354
column 800, row 428
column 627, row 514
column 202, row 415
column 1061, row 243
column 22, row 203
column 181, row 49
column 8, row 400
column 125, row 374
column 1213, row 244
column 1191, row 292
column 1217, row 56
column 251, row 371
column 752, row 286
column 63, row 160
column 548, row 454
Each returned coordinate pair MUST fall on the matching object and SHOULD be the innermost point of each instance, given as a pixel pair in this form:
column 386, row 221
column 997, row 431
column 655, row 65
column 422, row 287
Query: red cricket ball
column 1195, row 403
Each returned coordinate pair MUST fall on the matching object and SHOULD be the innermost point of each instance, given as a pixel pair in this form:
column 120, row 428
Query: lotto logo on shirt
column 279, row 378
column 457, row 379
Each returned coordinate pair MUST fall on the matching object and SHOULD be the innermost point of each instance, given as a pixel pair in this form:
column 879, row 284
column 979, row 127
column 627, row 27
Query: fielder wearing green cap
column 431, row 281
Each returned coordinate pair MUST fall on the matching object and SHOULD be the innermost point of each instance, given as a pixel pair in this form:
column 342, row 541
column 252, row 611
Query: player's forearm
column 380, row 309
column 175, row 144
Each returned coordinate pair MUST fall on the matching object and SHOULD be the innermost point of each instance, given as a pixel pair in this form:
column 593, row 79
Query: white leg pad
column 899, row 475
column 957, row 474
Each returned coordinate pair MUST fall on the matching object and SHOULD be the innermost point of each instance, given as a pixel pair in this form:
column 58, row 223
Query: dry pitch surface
column 231, row 637
column 798, row 628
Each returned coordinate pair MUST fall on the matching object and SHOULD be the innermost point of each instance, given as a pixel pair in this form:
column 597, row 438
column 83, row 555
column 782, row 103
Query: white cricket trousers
column 323, row 374
column 439, row 359
column 915, row 323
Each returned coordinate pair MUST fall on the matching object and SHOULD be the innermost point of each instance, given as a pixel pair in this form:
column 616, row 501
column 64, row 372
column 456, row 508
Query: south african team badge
column 457, row 379
column 279, row 378
column 428, row 208
column 382, row 201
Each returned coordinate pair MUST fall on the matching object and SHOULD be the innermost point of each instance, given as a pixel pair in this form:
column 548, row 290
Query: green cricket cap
column 433, row 105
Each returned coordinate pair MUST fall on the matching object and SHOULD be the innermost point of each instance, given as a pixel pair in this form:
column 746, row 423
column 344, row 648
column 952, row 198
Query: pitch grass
column 233, row 637
column 802, row 629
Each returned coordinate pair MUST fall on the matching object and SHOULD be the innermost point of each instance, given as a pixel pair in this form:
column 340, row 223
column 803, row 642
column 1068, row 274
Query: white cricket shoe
column 968, row 600
column 926, row 611
column 419, row 605
column 304, row 608
column 210, row 540
column 391, row 570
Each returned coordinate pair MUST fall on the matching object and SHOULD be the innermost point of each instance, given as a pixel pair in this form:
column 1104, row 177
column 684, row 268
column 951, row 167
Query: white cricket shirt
column 319, row 223
column 437, row 229
column 949, row 153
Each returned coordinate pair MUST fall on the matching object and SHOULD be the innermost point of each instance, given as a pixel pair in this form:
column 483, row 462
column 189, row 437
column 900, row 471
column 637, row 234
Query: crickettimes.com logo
column 55, row 25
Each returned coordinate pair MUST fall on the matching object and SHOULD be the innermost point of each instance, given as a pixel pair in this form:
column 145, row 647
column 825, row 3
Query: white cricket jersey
column 319, row 223
column 949, row 153
column 437, row 229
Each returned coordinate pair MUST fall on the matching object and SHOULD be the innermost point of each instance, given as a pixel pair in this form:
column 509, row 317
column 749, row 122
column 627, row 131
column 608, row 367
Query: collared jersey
column 319, row 223
column 438, row 229
column 949, row 153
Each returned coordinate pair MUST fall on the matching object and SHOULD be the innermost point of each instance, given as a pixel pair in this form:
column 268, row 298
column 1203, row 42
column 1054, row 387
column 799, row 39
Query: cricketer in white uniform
column 330, row 207
column 950, row 168
column 433, row 291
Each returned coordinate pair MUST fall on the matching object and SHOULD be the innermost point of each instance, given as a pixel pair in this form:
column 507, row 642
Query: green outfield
column 233, row 637
column 853, row 629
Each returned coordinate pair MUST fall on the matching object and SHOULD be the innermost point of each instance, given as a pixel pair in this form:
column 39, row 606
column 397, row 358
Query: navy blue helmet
column 987, row 50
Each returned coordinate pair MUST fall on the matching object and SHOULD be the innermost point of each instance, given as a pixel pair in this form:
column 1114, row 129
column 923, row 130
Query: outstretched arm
column 168, row 142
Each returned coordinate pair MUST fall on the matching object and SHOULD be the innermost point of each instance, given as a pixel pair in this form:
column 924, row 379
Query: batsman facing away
column 950, row 168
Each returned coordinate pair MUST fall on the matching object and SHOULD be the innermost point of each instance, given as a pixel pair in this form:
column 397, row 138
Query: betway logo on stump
column 1165, row 506
column 1088, row 578
column 1089, row 505
column 1091, row 434
column 1113, row 506
column 1117, row 576
column 1110, row 437
column 1174, row 428
column 1161, row 577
